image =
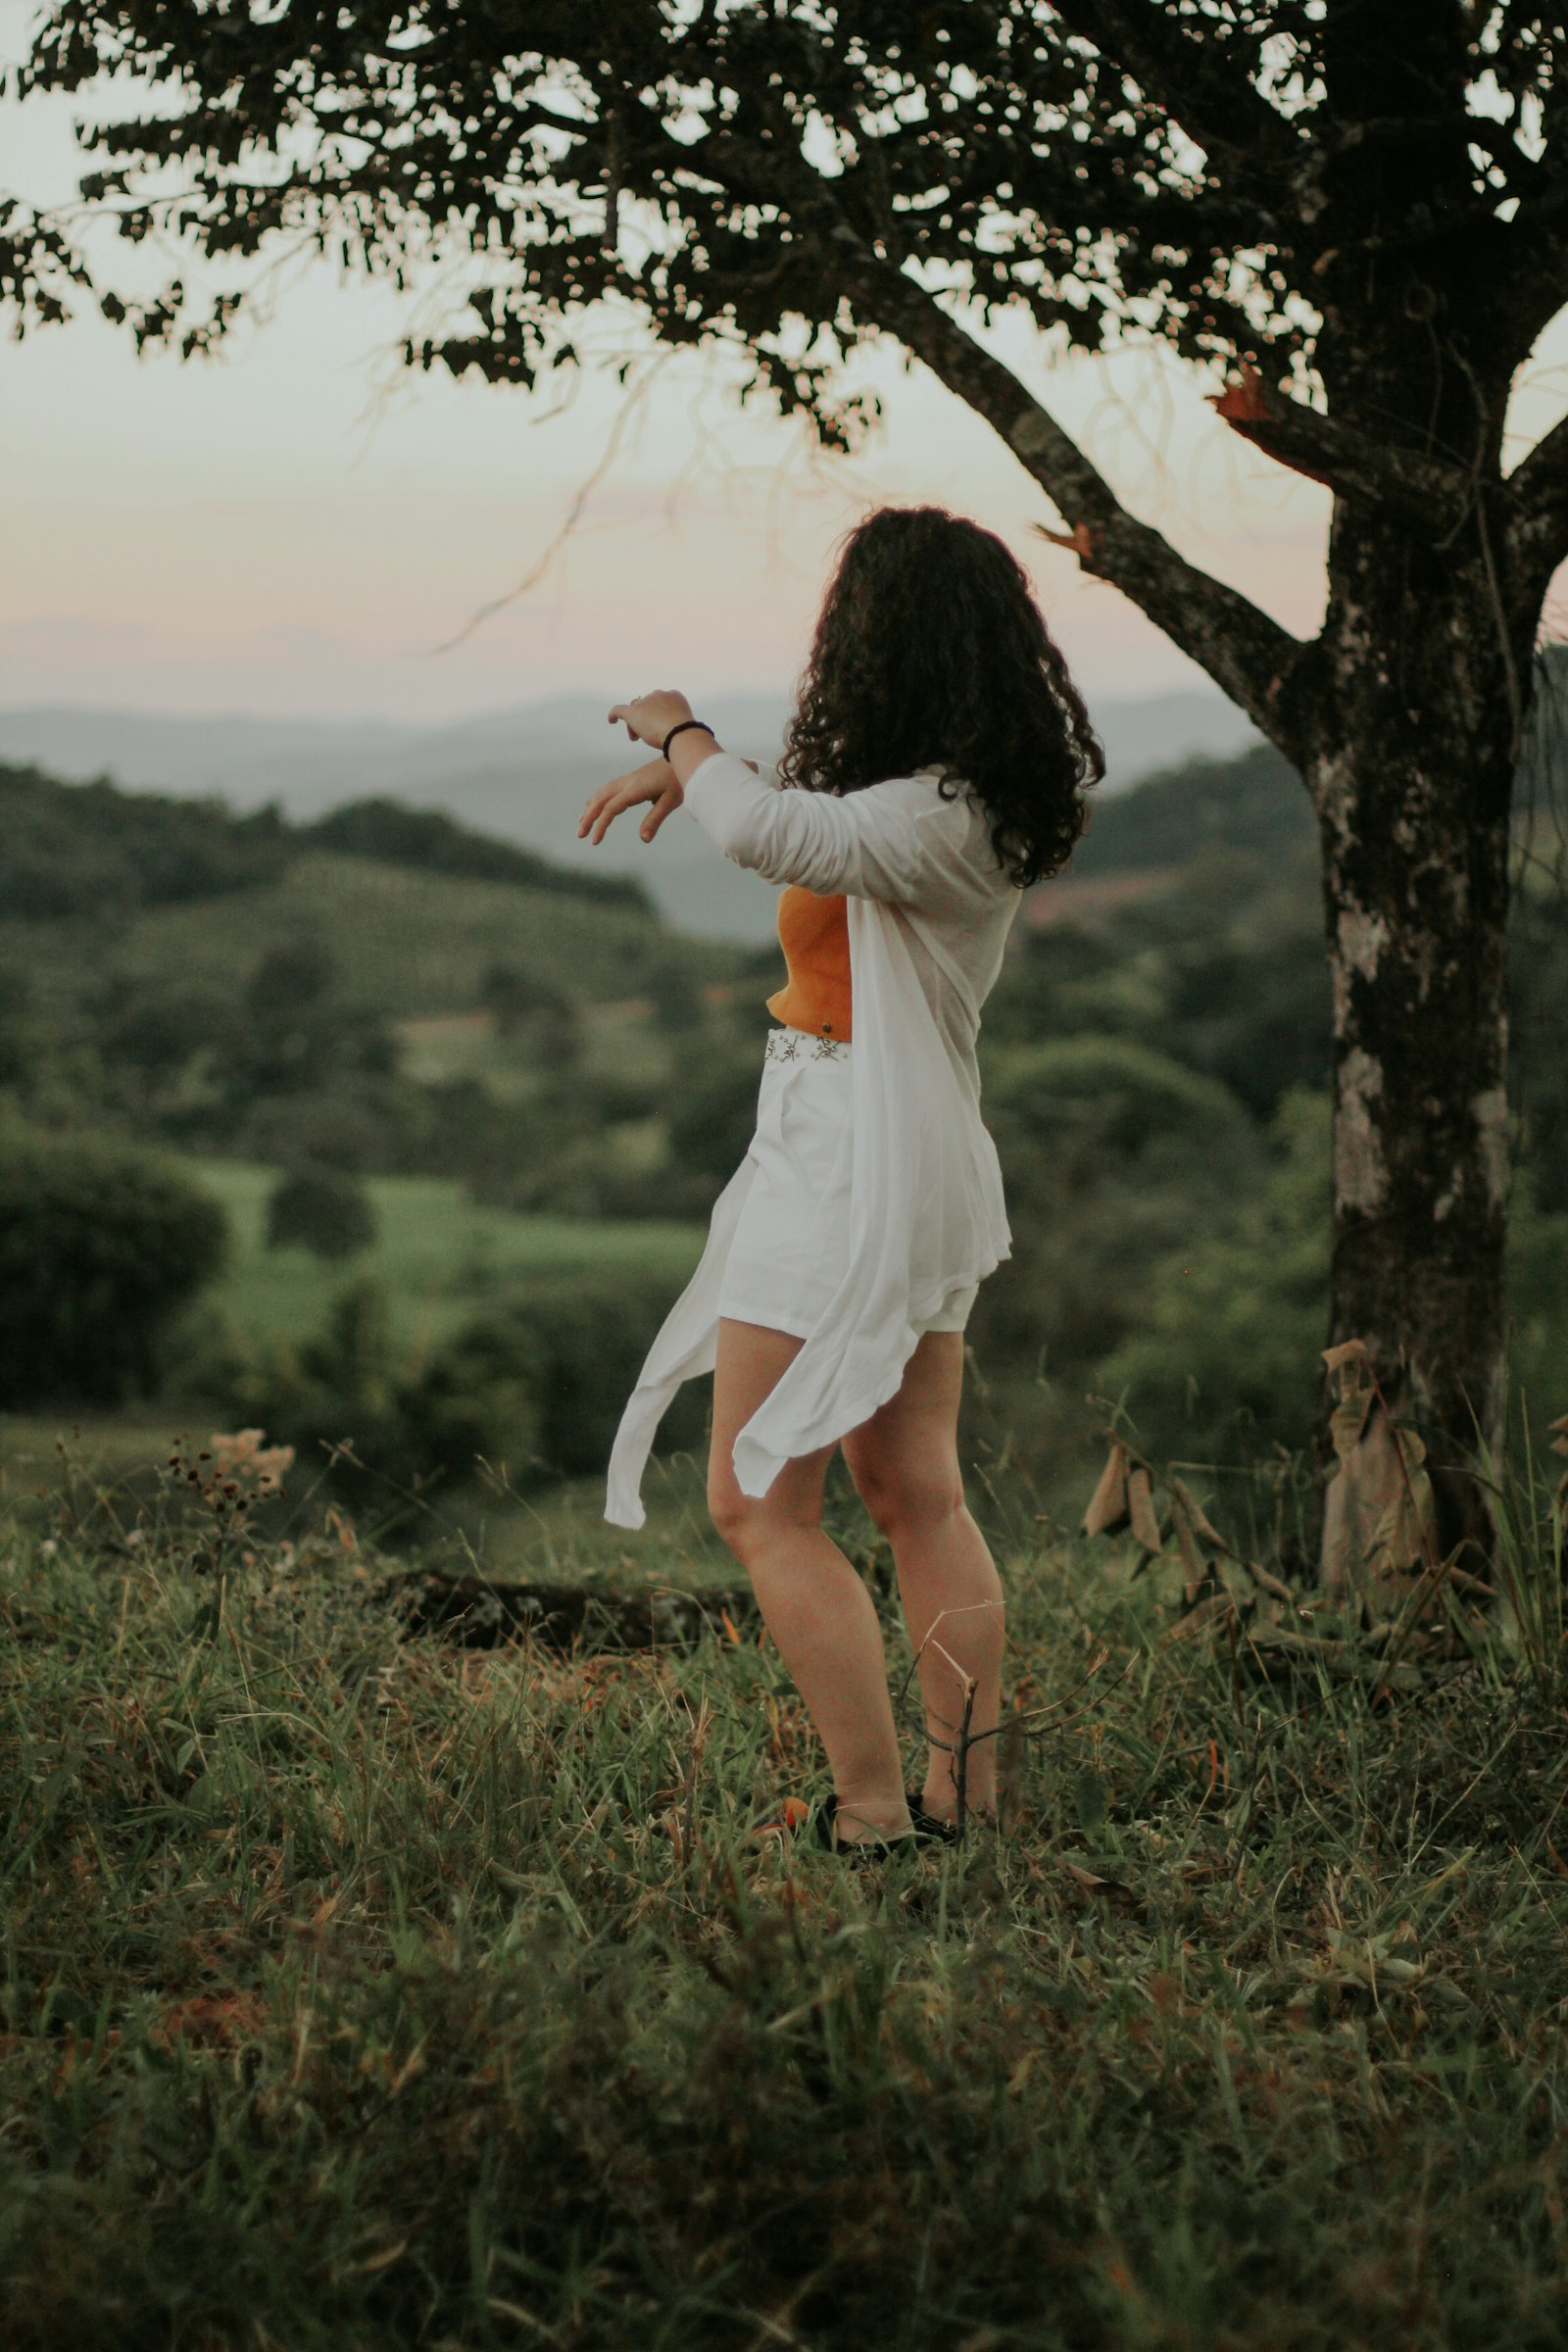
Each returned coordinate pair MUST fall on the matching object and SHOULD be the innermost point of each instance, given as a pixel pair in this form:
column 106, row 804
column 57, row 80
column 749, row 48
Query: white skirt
column 791, row 1246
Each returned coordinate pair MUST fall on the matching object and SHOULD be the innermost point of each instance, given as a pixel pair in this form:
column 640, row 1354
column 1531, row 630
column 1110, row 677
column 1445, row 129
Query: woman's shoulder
column 927, row 790
column 954, row 825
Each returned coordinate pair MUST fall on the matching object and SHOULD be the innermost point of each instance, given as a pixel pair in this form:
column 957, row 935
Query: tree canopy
column 1364, row 208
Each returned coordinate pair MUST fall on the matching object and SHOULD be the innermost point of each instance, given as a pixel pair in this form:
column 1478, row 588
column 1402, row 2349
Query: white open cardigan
column 929, row 909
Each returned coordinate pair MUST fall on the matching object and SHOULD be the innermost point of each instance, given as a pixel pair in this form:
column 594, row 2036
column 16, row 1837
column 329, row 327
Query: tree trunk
column 1411, row 769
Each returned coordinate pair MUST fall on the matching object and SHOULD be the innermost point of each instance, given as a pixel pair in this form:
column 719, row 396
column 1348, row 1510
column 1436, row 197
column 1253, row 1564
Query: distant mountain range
column 522, row 774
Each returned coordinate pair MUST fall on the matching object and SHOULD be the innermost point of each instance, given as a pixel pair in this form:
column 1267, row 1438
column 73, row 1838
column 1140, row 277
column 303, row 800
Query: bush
column 338, row 1387
column 536, row 1011
column 1121, row 1101
column 545, row 1379
column 535, row 1386
column 322, row 1210
column 713, row 1118
column 1231, row 1326
column 1112, row 1155
column 100, row 1247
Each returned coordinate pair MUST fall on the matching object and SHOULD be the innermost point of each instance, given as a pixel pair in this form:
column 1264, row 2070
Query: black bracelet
column 663, row 752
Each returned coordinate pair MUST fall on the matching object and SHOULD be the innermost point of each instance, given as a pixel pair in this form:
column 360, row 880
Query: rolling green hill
column 438, row 1255
column 408, row 944
column 102, row 888
column 1255, row 804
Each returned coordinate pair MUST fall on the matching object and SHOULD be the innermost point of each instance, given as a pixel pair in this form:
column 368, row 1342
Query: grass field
column 439, row 1257
column 359, row 1994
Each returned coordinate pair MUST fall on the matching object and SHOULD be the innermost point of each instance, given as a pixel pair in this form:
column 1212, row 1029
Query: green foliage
column 714, row 1114
column 1254, row 1011
column 354, row 1998
column 677, row 999
column 533, row 1387
column 596, row 1336
column 431, row 842
column 1108, row 1100
column 94, row 850
column 1113, row 1154
column 322, row 1210
column 1538, row 1302
column 481, row 1399
column 90, row 849
column 1233, row 986
column 1538, row 1020
column 336, row 1388
column 539, row 1010
column 262, row 1023
column 440, row 1256
column 1255, row 804
column 575, row 1346
column 100, row 1248
column 1133, row 1060
column 1224, row 1353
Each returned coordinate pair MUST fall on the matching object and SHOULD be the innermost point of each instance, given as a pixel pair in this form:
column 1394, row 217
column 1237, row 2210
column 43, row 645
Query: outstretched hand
column 649, row 717
column 654, row 781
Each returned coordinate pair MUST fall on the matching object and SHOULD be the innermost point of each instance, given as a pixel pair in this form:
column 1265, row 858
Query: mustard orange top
column 814, row 935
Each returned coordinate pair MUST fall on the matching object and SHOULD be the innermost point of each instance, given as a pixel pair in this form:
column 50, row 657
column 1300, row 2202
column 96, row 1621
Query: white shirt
column 929, row 910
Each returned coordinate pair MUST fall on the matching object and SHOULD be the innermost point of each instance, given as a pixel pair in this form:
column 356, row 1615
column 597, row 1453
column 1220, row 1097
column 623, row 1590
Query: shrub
column 1119, row 1100
column 535, row 1385
column 1231, row 1326
column 713, row 1117
column 322, row 1210
column 1112, row 1155
column 546, row 1377
column 100, row 1247
column 523, row 1004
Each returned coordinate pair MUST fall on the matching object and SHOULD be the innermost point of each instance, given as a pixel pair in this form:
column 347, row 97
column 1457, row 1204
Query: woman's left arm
column 654, row 720
column 874, row 843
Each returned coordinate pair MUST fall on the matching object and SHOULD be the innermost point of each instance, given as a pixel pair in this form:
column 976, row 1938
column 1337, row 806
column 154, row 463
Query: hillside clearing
column 438, row 1254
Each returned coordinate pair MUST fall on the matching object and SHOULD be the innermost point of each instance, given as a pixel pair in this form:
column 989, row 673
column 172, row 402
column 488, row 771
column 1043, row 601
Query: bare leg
column 812, row 1603
column 905, row 1464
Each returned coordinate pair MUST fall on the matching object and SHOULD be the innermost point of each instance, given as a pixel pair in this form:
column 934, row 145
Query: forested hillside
column 239, row 984
column 387, row 995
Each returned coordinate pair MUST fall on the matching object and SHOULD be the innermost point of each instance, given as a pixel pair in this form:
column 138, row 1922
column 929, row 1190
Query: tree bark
column 1421, row 672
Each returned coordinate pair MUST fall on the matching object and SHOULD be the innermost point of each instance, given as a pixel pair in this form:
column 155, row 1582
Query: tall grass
column 362, row 1994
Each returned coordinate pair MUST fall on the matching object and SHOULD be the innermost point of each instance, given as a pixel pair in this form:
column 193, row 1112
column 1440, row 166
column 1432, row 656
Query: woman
column 934, row 766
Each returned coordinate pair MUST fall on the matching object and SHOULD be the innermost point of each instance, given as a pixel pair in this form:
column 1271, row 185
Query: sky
column 303, row 526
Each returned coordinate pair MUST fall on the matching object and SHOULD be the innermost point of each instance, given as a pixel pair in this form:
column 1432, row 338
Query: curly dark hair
column 930, row 649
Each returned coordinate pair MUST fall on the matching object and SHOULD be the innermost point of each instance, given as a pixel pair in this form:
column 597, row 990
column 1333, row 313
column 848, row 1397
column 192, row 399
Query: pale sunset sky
column 301, row 526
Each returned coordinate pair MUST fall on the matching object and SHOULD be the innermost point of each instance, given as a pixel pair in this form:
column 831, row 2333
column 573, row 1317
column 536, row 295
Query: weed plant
column 364, row 1994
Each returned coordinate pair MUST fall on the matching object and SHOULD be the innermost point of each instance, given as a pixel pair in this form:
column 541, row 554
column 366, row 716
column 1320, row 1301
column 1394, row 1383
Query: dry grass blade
column 1108, row 1505
column 1141, row 1511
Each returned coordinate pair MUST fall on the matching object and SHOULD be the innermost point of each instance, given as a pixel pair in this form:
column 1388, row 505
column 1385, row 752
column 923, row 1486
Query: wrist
column 684, row 725
column 691, row 746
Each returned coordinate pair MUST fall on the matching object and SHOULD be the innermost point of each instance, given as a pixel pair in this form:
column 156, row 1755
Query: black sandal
column 925, row 1828
column 930, row 1828
column 824, row 1821
column 819, row 1824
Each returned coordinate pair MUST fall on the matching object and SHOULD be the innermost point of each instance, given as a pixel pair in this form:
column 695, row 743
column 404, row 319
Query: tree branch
column 1223, row 112
column 1246, row 653
column 1428, row 494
